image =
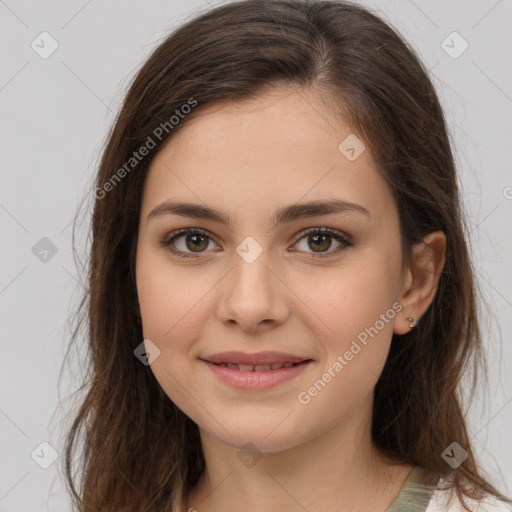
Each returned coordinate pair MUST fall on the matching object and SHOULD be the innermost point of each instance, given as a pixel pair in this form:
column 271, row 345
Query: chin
column 265, row 436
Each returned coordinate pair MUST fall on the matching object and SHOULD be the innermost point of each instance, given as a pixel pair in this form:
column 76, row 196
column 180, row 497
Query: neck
column 342, row 462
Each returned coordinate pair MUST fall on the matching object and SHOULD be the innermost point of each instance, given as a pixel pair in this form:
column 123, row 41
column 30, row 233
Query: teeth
column 256, row 368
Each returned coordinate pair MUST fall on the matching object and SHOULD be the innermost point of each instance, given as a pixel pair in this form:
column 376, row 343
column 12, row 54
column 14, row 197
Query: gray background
column 55, row 113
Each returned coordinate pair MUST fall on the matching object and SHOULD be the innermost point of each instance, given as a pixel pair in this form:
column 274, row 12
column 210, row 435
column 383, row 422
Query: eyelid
column 166, row 240
column 344, row 239
column 327, row 230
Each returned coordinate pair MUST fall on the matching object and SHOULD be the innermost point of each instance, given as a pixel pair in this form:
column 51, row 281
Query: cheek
column 351, row 298
column 355, row 306
column 171, row 301
column 173, row 308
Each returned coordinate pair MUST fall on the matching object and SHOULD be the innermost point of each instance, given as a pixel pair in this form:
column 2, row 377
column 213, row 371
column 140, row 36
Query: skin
column 249, row 158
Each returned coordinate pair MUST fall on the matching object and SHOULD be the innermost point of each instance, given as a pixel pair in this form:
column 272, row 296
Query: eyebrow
column 282, row 215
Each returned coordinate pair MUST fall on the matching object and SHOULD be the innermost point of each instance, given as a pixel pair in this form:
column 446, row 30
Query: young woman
column 281, row 302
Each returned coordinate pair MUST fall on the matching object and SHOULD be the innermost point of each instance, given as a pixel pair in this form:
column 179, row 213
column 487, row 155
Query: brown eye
column 319, row 241
column 196, row 242
column 185, row 242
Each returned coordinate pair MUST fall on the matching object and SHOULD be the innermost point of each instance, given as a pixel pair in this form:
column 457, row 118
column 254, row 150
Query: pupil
column 324, row 237
column 196, row 245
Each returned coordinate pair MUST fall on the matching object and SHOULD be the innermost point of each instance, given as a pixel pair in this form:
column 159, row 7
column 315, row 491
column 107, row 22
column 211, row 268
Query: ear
column 420, row 281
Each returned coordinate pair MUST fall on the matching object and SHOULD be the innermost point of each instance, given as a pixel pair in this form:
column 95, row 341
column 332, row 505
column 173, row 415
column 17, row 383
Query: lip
column 257, row 380
column 258, row 358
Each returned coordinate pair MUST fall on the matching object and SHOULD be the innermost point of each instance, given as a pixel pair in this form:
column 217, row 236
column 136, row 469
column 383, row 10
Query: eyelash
column 167, row 242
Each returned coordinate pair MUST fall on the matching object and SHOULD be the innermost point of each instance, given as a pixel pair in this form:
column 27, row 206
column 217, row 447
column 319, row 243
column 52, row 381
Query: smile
column 257, row 377
column 257, row 368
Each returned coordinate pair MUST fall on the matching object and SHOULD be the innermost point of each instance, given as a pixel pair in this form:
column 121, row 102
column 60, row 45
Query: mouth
column 259, row 368
column 257, row 361
column 259, row 371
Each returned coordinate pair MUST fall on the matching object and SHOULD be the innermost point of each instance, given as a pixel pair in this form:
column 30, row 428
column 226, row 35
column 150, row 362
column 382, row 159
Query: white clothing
column 447, row 501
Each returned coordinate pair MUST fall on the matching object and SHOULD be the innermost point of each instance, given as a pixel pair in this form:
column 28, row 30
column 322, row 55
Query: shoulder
column 447, row 501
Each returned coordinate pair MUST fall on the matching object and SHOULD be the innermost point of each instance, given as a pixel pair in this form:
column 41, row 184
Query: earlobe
column 427, row 263
column 404, row 324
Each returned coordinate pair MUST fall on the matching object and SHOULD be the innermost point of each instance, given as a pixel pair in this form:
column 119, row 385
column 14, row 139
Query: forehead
column 278, row 148
column 267, row 126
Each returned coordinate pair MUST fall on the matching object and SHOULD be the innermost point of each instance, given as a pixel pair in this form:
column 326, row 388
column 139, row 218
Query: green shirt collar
column 416, row 491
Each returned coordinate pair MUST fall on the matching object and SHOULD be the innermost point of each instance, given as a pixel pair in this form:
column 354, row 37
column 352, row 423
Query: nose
column 253, row 295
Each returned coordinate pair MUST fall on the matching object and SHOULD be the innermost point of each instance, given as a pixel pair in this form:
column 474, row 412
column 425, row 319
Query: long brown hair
column 140, row 452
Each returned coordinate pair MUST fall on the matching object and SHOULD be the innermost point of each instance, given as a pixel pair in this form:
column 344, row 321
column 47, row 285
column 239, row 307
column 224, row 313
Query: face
column 264, row 282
